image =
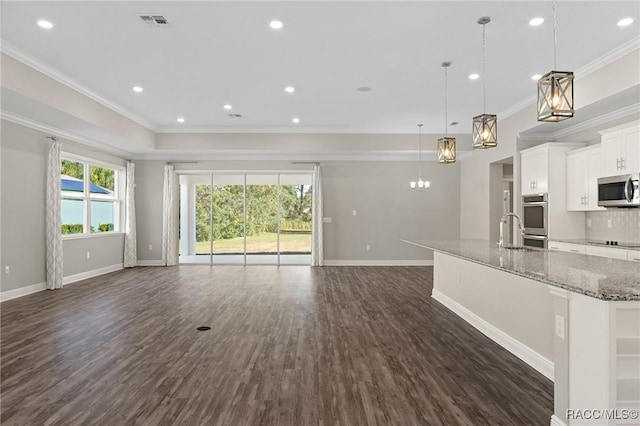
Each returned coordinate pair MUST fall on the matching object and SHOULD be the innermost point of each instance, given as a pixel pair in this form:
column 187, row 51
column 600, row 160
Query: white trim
column 45, row 128
column 35, row 288
column 555, row 421
column 58, row 76
column 378, row 262
column 82, row 236
column 540, row 363
column 634, row 123
column 558, row 292
column 93, row 273
column 149, row 263
column 22, row 291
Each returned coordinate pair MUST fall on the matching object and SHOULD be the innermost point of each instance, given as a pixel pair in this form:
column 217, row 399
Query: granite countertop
column 595, row 276
column 600, row 243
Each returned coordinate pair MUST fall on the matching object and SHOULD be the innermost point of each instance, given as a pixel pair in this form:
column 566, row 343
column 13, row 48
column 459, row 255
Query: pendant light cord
column 420, row 151
column 446, row 104
column 555, row 39
column 484, row 71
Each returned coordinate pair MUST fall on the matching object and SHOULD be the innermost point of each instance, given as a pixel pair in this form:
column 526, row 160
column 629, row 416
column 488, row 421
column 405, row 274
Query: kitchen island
column 573, row 317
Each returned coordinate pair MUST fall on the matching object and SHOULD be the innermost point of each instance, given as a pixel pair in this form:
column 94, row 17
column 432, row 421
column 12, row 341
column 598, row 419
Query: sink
column 519, row 248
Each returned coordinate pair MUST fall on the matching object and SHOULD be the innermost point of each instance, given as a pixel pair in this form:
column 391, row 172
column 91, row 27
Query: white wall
column 387, row 210
column 23, row 156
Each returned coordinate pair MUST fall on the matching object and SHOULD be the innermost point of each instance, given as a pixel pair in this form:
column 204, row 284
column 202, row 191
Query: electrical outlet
column 326, row 220
column 368, row 247
column 355, row 213
column 588, row 223
column 88, row 255
column 609, row 223
column 560, row 326
column 6, row 269
column 150, row 246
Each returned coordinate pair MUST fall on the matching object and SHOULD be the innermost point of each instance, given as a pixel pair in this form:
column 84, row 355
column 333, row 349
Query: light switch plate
column 560, row 326
column 609, row 223
column 326, row 220
column 355, row 213
column 588, row 223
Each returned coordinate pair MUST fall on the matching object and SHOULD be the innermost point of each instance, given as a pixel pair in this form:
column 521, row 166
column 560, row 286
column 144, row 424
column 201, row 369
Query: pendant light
column 419, row 185
column 485, row 126
column 555, row 89
column 446, row 145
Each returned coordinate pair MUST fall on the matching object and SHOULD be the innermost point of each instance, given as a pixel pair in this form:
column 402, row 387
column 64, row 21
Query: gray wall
column 386, row 208
column 23, row 158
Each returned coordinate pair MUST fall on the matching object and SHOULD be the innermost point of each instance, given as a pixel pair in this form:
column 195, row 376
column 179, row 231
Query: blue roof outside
column 78, row 186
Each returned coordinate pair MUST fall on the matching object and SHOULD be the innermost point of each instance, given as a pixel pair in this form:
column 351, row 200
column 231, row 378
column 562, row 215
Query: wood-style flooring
column 291, row 346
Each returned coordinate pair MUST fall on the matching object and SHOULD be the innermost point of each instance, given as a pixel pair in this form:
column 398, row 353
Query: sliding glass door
column 245, row 218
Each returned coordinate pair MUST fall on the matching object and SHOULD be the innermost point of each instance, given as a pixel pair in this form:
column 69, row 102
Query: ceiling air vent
column 154, row 20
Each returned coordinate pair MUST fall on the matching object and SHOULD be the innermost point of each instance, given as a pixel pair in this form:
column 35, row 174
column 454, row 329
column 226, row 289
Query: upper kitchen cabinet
column 621, row 149
column 534, row 168
column 584, row 167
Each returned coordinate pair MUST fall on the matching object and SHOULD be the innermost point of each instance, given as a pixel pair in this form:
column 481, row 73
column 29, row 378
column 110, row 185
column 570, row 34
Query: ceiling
column 217, row 53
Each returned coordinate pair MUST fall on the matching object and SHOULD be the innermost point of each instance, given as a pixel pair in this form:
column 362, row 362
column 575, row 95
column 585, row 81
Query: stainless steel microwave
column 619, row 191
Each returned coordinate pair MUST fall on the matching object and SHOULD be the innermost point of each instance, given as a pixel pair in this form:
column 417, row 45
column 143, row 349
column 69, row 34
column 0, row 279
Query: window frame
column 119, row 187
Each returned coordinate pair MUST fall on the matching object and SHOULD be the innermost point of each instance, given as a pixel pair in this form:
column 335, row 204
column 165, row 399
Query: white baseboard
column 378, row 262
column 542, row 364
column 22, row 291
column 90, row 274
column 555, row 421
column 149, row 263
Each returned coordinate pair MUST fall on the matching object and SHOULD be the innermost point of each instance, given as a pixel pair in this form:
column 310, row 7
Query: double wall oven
column 535, row 220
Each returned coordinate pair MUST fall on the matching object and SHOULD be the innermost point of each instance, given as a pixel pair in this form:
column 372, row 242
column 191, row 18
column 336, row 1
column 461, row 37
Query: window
column 91, row 202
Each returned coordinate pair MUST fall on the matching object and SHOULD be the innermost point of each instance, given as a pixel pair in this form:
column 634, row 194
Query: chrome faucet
column 503, row 222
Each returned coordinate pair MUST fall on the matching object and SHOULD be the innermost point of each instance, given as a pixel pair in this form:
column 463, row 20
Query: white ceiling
column 215, row 53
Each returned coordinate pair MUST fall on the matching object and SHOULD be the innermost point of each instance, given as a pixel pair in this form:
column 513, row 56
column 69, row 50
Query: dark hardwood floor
column 290, row 346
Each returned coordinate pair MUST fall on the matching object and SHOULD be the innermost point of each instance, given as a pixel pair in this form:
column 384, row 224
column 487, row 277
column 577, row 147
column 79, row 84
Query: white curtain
column 317, row 254
column 130, row 254
column 170, row 218
column 54, row 219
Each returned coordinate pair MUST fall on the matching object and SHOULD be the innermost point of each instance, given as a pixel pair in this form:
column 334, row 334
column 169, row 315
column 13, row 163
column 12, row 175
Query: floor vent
column 154, row 20
column 203, row 328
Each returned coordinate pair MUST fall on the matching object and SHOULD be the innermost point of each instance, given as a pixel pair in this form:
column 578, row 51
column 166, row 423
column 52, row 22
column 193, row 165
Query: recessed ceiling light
column 454, row 123
column 138, row 89
column 295, row 120
column 474, row 76
column 45, row 24
column 364, row 89
column 536, row 21
column 227, row 107
column 275, row 24
column 625, row 22
column 289, row 89
column 536, row 77
column 180, row 120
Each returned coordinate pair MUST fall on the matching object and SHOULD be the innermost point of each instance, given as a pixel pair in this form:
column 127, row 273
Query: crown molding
column 58, row 76
column 72, row 137
column 593, row 66
column 585, row 125
column 303, row 130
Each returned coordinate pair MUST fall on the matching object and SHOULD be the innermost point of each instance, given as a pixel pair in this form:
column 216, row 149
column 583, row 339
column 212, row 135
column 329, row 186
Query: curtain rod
column 87, row 147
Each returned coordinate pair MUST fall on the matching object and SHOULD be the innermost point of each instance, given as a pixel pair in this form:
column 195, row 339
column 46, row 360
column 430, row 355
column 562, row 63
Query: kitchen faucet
column 503, row 222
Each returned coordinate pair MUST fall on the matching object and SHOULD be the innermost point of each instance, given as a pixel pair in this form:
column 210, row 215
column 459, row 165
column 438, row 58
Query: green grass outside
column 264, row 243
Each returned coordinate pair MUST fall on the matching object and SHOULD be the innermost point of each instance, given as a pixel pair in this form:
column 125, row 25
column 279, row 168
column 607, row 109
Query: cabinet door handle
column 623, row 164
column 618, row 164
column 574, row 251
column 636, row 258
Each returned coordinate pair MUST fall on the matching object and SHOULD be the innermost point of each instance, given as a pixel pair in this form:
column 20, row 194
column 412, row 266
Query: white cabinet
column 611, row 252
column 621, row 149
column 534, row 168
column 633, row 255
column 584, row 167
column 568, row 247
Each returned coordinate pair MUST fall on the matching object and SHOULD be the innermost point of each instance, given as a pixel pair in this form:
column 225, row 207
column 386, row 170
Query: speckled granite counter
column 599, row 243
column 599, row 277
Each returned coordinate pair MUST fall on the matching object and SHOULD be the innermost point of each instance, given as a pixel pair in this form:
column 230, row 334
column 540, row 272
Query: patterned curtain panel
column 170, row 218
column 130, row 254
column 54, row 219
column 317, row 253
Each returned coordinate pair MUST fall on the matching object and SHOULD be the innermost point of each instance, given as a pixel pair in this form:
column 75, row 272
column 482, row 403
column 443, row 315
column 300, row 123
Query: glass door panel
column 295, row 219
column 262, row 218
column 195, row 218
column 228, row 219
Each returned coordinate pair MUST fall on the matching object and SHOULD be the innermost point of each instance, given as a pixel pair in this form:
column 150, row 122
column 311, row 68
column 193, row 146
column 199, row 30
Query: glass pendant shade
column 555, row 96
column 420, row 184
column 485, row 131
column 447, row 150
